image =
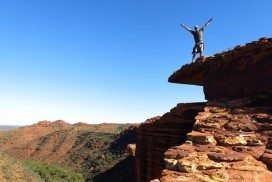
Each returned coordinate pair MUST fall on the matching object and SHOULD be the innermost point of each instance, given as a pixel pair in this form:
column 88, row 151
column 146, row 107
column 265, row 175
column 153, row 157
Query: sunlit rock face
column 228, row 143
column 242, row 72
column 229, row 137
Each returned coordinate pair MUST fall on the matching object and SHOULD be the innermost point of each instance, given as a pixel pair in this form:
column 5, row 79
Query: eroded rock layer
column 158, row 134
column 243, row 71
column 230, row 141
column 230, row 138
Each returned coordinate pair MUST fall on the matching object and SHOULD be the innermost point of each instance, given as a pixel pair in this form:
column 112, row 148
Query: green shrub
column 54, row 173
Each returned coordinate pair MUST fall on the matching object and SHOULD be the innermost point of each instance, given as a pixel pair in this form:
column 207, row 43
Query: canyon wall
column 227, row 139
column 158, row 134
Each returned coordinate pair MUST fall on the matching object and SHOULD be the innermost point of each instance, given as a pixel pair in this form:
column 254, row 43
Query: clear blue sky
column 108, row 61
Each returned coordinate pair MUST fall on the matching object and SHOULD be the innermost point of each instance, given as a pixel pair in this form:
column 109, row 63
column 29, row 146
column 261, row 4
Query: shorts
column 198, row 48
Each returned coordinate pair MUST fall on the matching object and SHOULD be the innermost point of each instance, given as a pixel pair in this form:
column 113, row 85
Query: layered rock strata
column 230, row 138
column 230, row 141
column 158, row 134
column 241, row 72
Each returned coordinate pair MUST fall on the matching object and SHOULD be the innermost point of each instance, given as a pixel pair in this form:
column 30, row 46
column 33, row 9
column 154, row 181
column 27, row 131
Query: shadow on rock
column 121, row 172
column 126, row 137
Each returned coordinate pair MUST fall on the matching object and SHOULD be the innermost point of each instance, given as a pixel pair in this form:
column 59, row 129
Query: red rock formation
column 229, row 142
column 231, row 137
column 232, row 74
column 158, row 134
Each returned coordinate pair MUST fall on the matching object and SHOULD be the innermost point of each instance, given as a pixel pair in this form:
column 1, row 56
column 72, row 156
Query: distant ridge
column 89, row 149
column 8, row 127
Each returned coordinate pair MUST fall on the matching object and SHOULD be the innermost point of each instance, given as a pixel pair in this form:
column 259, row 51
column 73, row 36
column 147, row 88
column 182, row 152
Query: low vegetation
column 58, row 151
column 54, row 173
column 12, row 170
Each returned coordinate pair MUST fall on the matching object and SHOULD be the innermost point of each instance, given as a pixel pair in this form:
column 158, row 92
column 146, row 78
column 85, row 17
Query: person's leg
column 194, row 54
column 201, row 49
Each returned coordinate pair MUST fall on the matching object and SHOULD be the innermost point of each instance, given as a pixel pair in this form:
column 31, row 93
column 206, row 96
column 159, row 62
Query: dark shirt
column 197, row 36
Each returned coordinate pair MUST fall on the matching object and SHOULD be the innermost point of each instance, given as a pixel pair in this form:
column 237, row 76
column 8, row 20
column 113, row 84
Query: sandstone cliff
column 237, row 73
column 158, row 134
column 226, row 139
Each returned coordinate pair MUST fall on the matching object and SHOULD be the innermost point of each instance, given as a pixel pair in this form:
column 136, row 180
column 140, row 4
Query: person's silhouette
column 198, row 36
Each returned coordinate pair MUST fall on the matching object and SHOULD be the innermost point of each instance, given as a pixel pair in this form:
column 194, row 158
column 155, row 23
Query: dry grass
column 12, row 170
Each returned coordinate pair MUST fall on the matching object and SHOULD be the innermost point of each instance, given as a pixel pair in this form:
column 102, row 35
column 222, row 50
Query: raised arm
column 186, row 28
column 206, row 24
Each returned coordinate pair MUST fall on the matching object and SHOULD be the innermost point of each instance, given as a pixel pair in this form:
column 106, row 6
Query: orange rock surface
column 227, row 139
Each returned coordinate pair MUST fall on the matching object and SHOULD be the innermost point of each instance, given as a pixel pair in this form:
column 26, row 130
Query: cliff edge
column 226, row 139
column 243, row 71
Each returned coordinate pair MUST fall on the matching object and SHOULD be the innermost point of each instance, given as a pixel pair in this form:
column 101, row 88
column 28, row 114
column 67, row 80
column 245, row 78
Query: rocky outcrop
column 230, row 141
column 158, row 134
column 131, row 149
column 231, row 136
column 241, row 72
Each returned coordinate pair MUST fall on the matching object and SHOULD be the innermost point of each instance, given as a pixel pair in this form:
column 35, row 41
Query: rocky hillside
column 87, row 149
column 229, row 137
column 8, row 127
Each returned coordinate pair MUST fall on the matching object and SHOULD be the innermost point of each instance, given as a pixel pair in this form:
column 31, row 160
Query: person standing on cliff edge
column 198, row 36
